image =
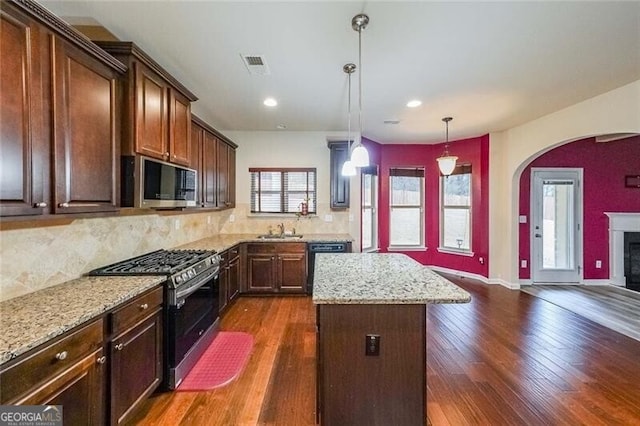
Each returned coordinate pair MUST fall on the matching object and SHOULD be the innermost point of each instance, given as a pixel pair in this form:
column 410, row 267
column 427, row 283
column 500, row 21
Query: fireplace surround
column 619, row 225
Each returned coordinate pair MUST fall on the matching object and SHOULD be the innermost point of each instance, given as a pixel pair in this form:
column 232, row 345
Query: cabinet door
column 179, row 129
column 86, row 140
column 339, row 185
column 223, row 282
column 24, row 146
column 136, row 367
column 234, row 277
column 197, row 133
column 151, row 114
column 223, row 175
column 261, row 272
column 209, row 169
column 80, row 389
column 292, row 270
column 231, row 183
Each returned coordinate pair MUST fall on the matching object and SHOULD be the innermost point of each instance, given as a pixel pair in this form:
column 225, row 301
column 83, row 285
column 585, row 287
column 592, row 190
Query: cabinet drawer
column 50, row 361
column 136, row 310
column 276, row 248
column 233, row 253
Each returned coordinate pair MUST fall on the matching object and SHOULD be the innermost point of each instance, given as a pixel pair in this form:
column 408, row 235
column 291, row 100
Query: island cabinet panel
column 69, row 372
column 136, row 354
column 357, row 389
column 24, row 147
column 86, row 142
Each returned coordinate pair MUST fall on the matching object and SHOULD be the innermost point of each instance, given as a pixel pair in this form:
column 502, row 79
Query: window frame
column 374, row 196
column 459, row 170
column 310, row 194
column 422, row 206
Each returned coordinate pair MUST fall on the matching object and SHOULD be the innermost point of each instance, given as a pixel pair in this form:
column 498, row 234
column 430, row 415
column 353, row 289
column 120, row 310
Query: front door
column 556, row 230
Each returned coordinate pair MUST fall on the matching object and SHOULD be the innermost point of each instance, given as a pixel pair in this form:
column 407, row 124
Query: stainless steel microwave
column 150, row 183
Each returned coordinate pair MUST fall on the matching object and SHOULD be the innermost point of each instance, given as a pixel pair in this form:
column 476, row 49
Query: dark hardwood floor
column 506, row 358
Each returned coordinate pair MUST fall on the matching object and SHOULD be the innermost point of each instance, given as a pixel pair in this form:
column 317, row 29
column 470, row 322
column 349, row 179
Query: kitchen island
column 371, row 318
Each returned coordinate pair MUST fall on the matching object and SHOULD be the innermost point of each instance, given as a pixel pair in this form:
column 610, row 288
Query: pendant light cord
column 349, row 121
column 360, row 82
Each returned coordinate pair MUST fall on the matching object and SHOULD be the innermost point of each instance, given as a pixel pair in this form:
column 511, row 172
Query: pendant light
column 348, row 169
column 446, row 163
column 359, row 156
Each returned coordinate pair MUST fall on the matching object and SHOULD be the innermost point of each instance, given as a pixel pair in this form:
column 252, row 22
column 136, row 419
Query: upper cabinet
column 339, row 185
column 59, row 145
column 157, row 107
column 216, row 167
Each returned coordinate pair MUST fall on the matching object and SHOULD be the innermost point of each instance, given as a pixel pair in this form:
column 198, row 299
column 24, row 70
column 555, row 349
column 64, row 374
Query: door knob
column 538, row 235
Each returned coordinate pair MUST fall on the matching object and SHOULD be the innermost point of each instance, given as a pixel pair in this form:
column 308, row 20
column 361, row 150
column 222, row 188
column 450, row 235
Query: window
column 455, row 218
column 369, row 203
column 280, row 190
column 406, row 220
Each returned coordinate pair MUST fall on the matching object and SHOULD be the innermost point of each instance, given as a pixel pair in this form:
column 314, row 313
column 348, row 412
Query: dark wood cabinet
column 276, row 267
column 24, row 147
column 229, row 278
column 136, row 354
column 85, row 139
column 339, row 185
column 217, row 167
column 157, row 111
column 70, row 372
column 59, row 122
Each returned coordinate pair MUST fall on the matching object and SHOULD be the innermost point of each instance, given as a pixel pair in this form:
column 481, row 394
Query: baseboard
column 507, row 284
column 460, row 273
column 598, row 282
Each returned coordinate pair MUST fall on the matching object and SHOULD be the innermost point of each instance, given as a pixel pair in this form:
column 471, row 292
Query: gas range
column 179, row 266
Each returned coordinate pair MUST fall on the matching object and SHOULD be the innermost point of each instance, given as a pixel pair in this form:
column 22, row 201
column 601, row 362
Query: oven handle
column 195, row 284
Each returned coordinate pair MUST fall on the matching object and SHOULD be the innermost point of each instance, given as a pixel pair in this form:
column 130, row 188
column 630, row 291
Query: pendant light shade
column 360, row 156
column 447, row 162
column 348, row 169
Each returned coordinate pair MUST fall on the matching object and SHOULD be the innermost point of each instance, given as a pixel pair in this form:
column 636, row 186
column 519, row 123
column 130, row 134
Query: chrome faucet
column 281, row 227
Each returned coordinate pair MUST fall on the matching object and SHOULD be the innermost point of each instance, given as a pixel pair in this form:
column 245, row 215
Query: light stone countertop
column 35, row 318
column 380, row 278
column 222, row 242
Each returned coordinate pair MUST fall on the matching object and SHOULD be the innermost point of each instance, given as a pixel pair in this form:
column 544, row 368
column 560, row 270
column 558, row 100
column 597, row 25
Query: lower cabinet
column 136, row 354
column 276, row 267
column 70, row 372
column 229, row 277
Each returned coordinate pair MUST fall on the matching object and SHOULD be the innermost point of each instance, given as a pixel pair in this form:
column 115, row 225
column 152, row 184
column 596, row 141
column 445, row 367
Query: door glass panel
column 558, row 250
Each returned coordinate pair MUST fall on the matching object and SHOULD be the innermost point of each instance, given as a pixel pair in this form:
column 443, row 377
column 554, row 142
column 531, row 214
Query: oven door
column 190, row 319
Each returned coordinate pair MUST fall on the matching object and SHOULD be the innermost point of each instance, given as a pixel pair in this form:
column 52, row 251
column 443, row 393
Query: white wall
column 617, row 111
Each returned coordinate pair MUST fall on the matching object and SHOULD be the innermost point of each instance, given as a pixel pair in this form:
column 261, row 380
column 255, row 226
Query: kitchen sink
column 280, row 237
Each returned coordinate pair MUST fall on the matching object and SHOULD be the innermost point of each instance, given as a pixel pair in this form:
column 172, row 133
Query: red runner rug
column 222, row 362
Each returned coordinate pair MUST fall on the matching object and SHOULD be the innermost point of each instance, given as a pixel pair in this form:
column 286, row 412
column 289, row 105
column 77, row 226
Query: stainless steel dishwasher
column 322, row 247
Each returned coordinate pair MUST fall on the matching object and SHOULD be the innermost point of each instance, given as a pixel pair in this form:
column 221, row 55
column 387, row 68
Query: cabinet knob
column 41, row 204
column 144, row 306
column 62, row 355
column 119, row 346
column 63, row 205
column 166, row 154
column 101, row 360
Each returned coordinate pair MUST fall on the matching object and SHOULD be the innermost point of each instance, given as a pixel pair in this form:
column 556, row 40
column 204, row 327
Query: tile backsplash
column 35, row 258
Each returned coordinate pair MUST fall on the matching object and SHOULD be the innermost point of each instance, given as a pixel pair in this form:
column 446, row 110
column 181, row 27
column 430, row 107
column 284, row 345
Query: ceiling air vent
column 256, row 64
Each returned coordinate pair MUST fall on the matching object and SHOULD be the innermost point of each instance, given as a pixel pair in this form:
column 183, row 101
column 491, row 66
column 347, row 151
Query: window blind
column 282, row 190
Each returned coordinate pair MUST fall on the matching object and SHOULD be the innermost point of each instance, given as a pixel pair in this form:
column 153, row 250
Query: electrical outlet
column 176, row 224
column 350, row 218
column 523, row 263
column 232, row 218
column 372, row 345
column 208, row 220
column 328, row 218
column 481, row 260
column 598, row 264
column 522, row 218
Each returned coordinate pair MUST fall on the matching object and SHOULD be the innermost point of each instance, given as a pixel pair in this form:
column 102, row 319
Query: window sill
column 371, row 250
column 281, row 215
column 448, row 250
column 406, row 248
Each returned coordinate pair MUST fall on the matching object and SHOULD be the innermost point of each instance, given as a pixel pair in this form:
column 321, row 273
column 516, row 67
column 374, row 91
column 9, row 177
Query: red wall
column 604, row 165
column 474, row 151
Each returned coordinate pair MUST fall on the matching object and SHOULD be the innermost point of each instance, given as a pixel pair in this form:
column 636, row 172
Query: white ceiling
column 490, row 65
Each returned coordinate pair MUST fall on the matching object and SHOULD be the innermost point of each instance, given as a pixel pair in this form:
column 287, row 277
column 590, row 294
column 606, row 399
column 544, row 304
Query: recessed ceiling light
column 270, row 102
column 281, row 127
column 414, row 103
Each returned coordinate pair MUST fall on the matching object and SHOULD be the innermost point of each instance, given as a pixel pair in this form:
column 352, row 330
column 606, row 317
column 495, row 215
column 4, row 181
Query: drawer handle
column 119, row 346
column 144, row 306
column 62, row 355
column 101, row 360
column 40, row 205
column 63, row 205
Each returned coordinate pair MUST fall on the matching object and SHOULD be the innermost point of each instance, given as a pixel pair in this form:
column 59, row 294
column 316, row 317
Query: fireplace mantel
column 619, row 223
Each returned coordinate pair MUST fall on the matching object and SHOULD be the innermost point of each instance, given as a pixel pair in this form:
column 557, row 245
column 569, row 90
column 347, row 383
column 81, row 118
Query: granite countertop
column 33, row 319
column 380, row 278
column 222, row 242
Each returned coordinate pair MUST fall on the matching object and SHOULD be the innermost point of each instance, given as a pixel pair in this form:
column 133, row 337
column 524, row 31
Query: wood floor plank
column 506, row 358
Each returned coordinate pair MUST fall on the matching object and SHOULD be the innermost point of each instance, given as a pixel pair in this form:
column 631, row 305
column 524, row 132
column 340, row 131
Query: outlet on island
column 372, row 345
